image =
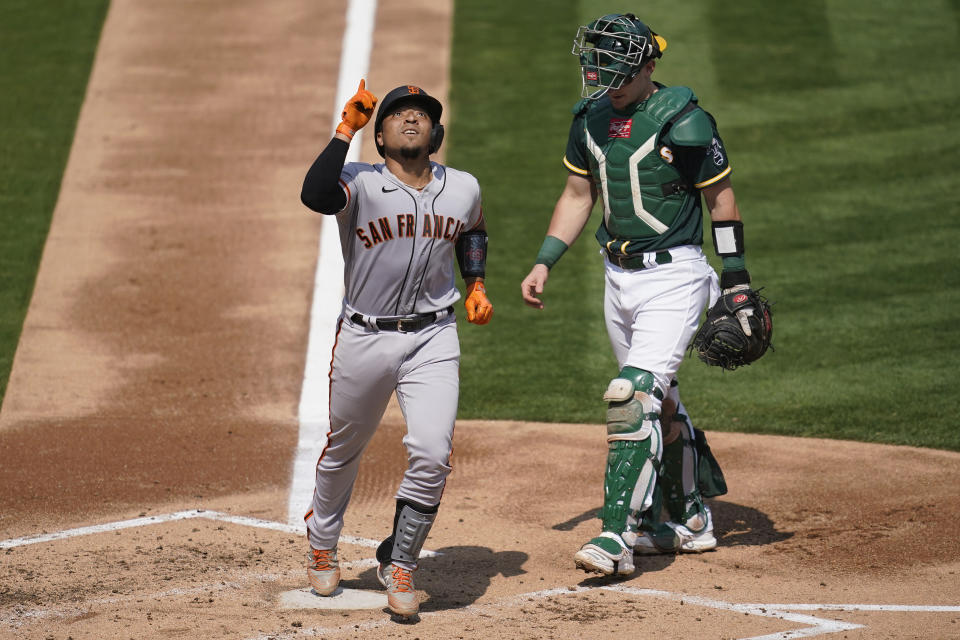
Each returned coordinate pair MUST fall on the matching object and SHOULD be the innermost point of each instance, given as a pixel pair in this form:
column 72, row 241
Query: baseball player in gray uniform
column 402, row 224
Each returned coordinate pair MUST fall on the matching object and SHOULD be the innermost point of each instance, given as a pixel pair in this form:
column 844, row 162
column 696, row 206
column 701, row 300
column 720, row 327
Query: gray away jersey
column 398, row 243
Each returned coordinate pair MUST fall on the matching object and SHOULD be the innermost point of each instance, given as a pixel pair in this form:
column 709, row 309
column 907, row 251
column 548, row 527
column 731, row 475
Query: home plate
column 341, row 599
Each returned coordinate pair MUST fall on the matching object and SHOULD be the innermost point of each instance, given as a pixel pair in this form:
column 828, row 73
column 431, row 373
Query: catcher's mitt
column 722, row 341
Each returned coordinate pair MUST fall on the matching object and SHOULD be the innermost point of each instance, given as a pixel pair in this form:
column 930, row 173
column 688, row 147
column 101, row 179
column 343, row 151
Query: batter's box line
column 245, row 521
column 819, row 626
column 815, row 626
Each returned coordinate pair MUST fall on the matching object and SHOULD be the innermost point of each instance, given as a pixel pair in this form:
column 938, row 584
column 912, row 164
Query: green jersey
column 648, row 164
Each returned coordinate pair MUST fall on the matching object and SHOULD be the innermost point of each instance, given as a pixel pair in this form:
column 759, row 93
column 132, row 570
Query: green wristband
column 734, row 272
column 550, row 251
column 734, row 263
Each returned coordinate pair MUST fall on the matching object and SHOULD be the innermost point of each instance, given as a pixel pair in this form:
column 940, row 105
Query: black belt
column 407, row 324
column 636, row 261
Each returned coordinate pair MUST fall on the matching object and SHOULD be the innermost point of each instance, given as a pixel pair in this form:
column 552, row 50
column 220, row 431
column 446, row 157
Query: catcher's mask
column 411, row 95
column 612, row 50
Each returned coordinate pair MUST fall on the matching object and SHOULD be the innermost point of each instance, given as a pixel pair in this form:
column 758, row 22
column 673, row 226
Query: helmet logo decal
column 592, row 76
column 413, row 90
column 620, row 127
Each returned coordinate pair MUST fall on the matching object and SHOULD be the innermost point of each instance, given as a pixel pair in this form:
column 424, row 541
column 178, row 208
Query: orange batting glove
column 356, row 113
column 479, row 309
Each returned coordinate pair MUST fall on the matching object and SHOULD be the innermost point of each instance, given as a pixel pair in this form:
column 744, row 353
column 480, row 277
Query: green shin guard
column 629, row 478
column 688, row 474
column 651, row 518
column 681, row 504
column 634, row 448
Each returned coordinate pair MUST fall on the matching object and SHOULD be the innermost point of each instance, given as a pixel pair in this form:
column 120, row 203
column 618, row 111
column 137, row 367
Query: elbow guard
column 472, row 254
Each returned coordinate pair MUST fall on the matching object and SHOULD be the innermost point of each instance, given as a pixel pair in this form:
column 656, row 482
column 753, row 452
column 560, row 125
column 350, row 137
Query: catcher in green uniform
column 649, row 152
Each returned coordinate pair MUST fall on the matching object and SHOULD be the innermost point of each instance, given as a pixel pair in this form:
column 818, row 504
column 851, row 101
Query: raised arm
column 321, row 190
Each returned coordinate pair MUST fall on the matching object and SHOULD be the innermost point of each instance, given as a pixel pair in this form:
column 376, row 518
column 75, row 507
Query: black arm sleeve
column 321, row 188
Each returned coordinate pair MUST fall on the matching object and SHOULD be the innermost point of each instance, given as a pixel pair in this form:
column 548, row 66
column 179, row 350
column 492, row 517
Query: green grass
column 45, row 60
column 513, row 87
column 841, row 123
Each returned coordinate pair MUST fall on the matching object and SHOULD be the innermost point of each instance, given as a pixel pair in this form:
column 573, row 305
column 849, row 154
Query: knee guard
column 411, row 524
column 633, row 407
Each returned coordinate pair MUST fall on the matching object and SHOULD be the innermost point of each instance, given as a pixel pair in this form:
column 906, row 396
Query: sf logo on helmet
column 412, row 89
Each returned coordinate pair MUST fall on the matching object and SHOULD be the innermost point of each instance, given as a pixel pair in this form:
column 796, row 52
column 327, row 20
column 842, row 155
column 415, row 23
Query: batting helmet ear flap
column 436, row 137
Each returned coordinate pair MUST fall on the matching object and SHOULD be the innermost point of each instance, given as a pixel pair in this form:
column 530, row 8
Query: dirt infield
column 154, row 398
column 509, row 524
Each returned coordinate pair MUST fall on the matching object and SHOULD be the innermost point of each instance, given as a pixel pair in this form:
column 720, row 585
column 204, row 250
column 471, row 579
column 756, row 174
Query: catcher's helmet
column 612, row 50
column 415, row 95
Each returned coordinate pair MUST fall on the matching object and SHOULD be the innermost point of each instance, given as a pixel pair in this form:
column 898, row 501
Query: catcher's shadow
column 459, row 575
column 737, row 525
column 734, row 525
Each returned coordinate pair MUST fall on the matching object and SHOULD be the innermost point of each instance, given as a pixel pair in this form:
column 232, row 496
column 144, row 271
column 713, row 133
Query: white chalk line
column 314, row 414
column 816, row 626
column 183, row 515
column 915, row 608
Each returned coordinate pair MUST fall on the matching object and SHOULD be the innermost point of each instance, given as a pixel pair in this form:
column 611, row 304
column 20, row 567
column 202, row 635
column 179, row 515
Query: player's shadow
column 734, row 525
column 458, row 576
column 737, row 525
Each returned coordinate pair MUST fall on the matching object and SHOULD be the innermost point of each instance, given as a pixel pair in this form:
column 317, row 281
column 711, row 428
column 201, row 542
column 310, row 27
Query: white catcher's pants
column 652, row 314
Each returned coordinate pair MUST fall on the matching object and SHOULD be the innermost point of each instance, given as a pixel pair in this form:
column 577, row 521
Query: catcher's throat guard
column 721, row 340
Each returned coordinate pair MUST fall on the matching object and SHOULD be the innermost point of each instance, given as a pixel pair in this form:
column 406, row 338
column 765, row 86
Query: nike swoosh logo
column 385, row 190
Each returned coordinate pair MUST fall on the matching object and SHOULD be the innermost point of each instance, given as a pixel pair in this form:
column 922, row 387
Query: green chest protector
column 644, row 195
